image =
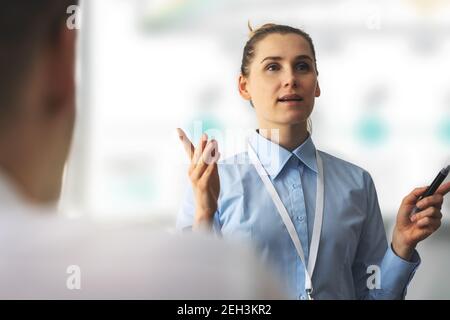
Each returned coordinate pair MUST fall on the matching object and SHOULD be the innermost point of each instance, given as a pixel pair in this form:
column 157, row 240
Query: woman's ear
column 242, row 86
column 61, row 69
column 317, row 93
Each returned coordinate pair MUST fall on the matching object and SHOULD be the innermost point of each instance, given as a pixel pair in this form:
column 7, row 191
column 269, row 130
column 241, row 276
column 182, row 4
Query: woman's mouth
column 291, row 103
column 290, row 99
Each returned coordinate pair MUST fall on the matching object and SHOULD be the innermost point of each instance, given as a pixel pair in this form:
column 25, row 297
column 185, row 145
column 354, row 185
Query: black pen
column 433, row 187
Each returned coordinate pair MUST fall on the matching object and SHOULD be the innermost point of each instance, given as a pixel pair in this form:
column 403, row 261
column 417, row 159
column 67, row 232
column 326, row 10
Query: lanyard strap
column 287, row 220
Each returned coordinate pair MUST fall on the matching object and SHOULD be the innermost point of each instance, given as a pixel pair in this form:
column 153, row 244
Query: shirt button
column 294, row 186
column 301, row 218
column 302, row 297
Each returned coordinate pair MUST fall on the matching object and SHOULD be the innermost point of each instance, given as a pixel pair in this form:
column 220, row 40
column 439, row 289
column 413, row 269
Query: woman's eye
column 302, row 66
column 272, row 67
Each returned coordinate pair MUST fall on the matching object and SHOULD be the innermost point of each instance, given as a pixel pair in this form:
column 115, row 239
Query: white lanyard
column 287, row 220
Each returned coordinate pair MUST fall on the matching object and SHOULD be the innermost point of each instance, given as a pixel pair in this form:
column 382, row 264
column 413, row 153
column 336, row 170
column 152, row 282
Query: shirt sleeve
column 185, row 217
column 378, row 273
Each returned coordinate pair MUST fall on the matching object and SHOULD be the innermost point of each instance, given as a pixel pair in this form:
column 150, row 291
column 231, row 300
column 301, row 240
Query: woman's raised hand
column 408, row 230
column 204, row 177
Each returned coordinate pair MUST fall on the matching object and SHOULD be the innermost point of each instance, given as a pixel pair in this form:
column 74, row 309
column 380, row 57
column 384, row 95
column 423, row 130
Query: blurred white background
column 147, row 67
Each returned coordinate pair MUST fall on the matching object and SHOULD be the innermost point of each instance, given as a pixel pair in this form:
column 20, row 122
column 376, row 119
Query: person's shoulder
column 344, row 169
column 145, row 263
column 178, row 261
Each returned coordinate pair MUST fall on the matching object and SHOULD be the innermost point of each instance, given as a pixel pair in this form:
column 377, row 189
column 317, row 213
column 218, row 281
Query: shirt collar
column 274, row 157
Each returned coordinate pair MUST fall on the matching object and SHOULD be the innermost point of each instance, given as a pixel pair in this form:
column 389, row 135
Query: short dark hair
column 26, row 26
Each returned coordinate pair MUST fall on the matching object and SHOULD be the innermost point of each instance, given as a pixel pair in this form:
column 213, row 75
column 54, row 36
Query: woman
column 300, row 206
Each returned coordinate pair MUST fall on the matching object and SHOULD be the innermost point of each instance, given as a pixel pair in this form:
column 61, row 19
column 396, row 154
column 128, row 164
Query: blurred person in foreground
column 44, row 256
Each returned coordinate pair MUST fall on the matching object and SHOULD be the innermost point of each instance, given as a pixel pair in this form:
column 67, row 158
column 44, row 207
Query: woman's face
column 282, row 82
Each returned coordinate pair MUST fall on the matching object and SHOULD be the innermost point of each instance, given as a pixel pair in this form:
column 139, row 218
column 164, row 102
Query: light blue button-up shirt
column 353, row 241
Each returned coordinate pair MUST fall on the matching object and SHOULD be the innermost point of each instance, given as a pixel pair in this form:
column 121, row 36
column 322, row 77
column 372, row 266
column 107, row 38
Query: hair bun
column 258, row 30
column 251, row 33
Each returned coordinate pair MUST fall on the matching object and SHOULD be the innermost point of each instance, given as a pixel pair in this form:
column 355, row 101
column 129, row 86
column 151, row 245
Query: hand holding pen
column 433, row 187
column 410, row 228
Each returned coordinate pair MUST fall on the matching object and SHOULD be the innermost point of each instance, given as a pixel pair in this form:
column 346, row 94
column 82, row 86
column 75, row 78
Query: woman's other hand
column 410, row 230
column 204, row 177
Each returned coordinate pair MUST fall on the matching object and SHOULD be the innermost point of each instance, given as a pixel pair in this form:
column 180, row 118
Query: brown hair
column 25, row 28
column 262, row 32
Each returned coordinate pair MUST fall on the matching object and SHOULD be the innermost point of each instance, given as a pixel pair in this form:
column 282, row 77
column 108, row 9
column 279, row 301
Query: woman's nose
column 290, row 80
column 291, row 83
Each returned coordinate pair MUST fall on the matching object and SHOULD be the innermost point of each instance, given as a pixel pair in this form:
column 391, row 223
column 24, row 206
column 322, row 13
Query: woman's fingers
column 212, row 167
column 203, row 158
column 187, row 144
column 207, row 157
column 193, row 153
column 430, row 212
column 434, row 200
column 411, row 198
column 198, row 151
column 429, row 222
column 212, row 154
column 444, row 189
column 426, row 231
column 424, row 223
